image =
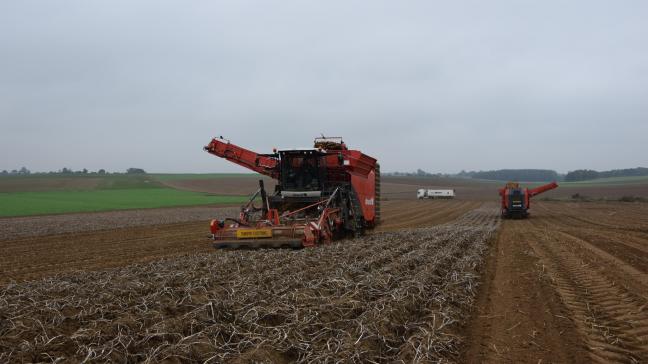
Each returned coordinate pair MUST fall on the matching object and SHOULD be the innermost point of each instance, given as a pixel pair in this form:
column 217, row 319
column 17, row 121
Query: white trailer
column 429, row 193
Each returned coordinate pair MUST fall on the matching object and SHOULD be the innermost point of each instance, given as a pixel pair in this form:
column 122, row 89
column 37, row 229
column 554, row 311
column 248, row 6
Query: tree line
column 419, row 173
column 532, row 175
column 589, row 174
column 67, row 171
column 526, row 175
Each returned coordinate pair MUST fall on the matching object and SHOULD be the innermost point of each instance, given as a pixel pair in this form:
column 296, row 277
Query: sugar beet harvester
column 516, row 201
column 322, row 194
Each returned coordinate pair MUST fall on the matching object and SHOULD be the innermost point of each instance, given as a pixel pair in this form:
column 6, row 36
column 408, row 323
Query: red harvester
column 322, row 194
column 516, row 201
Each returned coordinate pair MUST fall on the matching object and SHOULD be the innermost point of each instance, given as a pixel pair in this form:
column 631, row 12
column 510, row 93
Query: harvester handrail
column 251, row 200
column 328, row 202
column 288, row 213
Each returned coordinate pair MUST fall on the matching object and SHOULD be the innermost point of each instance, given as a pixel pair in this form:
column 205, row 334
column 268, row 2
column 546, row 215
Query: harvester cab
column 303, row 173
column 516, row 204
column 322, row 194
column 516, row 201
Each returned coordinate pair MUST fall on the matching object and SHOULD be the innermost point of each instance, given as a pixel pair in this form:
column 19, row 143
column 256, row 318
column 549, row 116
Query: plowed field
column 570, row 284
column 437, row 281
column 37, row 247
column 385, row 297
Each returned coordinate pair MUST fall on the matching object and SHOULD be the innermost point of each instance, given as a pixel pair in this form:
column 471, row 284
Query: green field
column 55, row 202
column 39, row 194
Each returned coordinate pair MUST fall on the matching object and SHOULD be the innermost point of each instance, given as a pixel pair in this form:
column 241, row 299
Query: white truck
column 428, row 193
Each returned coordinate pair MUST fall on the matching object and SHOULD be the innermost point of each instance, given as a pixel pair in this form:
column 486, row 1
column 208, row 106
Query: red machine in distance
column 322, row 194
column 516, row 201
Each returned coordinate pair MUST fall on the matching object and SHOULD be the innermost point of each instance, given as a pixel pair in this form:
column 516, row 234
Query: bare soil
column 570, row 284
column 421, row 213
column 405, row 188
column 46, row 226
column 36, row 247
column 385, row 297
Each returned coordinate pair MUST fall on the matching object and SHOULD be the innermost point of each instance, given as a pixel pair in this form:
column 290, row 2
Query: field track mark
column 631, row 253
column 628, row 239
column 411, row 214
column 612, row 262
column 614, row 322
column 562, row 214
column 519, row 316
column 626, row 224
column 615, row 246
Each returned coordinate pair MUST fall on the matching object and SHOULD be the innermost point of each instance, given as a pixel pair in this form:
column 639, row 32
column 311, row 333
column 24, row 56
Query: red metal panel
column 365, row 188
column 261, row 164
column 538, row 190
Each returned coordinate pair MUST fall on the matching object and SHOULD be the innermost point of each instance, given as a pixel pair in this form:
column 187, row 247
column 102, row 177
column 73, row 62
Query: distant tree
column 526, row 175
column 135, row 171
column 14, row 171
column 66, row 170
column 24, row 170
column 4, row 172
column 588, row 174
column 581, row 175
column 466, row 174
column 101, row 171
column 629, row 172
column 85, row 171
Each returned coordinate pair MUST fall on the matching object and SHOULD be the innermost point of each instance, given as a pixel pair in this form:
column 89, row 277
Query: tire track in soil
column 630, row 250
column 601, row 280
column 613, row 321
column 519, row 317
column 620, row 264
column 620, row 250
column 626, row 244
column 612, row 216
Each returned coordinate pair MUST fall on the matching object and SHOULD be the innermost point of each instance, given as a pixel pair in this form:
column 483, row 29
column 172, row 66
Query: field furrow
column 609, row 315
column 566, row 285
column 392, row 296
column 86, row 244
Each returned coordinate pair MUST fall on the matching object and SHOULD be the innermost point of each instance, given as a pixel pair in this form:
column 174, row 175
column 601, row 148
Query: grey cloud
column 433, row 85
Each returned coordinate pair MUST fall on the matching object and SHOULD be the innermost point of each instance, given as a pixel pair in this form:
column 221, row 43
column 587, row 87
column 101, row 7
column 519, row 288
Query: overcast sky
column 437, row 85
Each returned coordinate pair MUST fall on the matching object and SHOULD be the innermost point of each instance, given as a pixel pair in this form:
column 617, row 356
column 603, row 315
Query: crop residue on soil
column 40, row 246
column 384, row 297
